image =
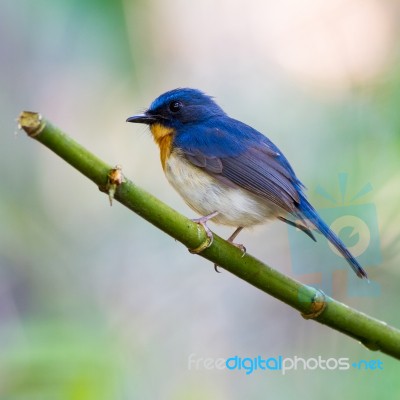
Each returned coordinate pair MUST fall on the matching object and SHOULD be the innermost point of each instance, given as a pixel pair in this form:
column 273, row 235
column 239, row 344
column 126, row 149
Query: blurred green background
column 95, row 303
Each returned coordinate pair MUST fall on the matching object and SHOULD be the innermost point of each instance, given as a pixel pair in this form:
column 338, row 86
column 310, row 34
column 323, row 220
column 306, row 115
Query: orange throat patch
column 163, row 137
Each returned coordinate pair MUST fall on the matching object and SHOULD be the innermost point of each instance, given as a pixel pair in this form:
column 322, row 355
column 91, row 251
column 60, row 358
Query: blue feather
column 308, row 211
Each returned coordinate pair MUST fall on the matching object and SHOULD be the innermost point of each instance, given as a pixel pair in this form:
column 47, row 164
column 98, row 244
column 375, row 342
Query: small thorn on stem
column 115, row 178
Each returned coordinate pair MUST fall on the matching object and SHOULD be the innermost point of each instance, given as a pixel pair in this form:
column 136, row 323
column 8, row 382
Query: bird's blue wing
column 238, row 155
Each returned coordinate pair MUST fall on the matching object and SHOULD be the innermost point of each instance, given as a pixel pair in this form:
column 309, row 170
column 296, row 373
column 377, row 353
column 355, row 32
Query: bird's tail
column 309, row 212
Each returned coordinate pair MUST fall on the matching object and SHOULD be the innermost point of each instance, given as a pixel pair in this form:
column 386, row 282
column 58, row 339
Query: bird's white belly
column 205, row 194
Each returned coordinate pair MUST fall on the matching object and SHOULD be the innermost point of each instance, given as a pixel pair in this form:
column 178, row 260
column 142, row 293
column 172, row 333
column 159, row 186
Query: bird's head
column 178, row 107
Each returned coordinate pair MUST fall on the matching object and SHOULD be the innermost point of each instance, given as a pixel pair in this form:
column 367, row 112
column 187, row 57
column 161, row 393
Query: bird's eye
column 175, row 106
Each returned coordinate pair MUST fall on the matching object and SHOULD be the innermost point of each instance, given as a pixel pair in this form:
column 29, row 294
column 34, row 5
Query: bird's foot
column 239, row 246
column 233, row 237
column 210, row 237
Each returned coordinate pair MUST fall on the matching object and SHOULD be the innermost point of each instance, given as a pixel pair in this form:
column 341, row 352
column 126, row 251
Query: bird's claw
column 210, row 237
column 241, row 247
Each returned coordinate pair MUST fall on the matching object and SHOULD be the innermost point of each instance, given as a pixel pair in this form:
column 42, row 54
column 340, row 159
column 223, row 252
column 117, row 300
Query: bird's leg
column 230, row 240
column 233, row 237
column 203, row 222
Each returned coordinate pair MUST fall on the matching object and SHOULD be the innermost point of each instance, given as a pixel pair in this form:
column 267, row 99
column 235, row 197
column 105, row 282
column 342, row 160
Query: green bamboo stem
column 312, row 304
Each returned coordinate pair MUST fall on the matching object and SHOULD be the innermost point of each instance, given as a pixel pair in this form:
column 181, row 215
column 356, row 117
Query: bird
column 227, row 171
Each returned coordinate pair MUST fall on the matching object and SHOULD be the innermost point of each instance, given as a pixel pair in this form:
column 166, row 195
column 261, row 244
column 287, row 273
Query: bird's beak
column 142, row 119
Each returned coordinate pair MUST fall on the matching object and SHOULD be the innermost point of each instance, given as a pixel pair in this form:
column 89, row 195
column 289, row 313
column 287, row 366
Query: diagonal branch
column 312, row 303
